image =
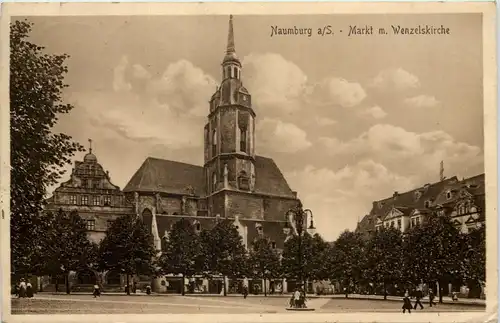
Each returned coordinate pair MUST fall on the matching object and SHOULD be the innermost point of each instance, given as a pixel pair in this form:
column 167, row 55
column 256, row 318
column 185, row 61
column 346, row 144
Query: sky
column 349, row 120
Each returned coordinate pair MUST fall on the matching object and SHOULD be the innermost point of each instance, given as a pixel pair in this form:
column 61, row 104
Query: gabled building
column 463, row 200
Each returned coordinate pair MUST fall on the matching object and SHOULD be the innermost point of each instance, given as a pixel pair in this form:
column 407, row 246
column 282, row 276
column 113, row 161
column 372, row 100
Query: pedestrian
column 431, row 297
column 97, row 291
column 454, row 296
column 418, row 296
column 245, row 291
column 22, row 288
column 407, row 303
column 296, row 298
column 148, row 290
column 345, row 292
column 29, row 290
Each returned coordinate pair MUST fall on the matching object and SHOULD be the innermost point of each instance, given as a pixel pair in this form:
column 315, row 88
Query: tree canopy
column 128, row 248
column 182, row 249
column 37, row 153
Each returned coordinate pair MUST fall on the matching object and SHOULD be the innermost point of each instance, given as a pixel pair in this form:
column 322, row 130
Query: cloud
column 337, row 91
column 274, row 82
column 422, row 101
column 168, row 110
column 119, row 82
column 139, row 72
column 409, row 153
column 346, row 194
column 395, row 79
column 278, row 136
column 375, row 112
column 185, row 88
column 324, row 121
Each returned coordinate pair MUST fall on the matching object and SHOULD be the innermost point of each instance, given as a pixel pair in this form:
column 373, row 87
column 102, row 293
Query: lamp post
column 298, row 218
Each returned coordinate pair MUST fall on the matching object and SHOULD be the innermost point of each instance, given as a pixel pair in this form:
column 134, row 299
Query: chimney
column 395, row 194
column 107, row 173
column 294, row 194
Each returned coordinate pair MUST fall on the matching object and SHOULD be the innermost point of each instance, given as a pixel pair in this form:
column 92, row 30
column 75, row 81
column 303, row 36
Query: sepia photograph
column 245, row 162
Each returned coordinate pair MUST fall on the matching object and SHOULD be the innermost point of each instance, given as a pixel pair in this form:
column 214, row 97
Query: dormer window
column 197, row 226
column 427, row 204
column 448, row 195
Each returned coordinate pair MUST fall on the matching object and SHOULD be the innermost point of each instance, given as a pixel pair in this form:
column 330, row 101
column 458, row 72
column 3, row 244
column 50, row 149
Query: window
column 90, row 225
column 214, row 181
column 214, row 143
column 418, row 220
column 107, row 200
column 427, row 204
column 448, row 195
column 84, row 183
column 243, row 181
column 399, row 224
column 243, row 140
column 72, row 199
column 273, row 244
column 96, row 200
column 198, row 226
column 95, row 184
column 85, row 200
column 392, row 224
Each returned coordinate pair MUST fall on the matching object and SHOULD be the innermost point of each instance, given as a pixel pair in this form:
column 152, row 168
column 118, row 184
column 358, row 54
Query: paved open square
column 118, row 304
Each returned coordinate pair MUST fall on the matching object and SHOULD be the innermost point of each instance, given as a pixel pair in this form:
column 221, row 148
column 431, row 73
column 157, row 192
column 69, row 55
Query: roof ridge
column 173, row 161
column 420, row 187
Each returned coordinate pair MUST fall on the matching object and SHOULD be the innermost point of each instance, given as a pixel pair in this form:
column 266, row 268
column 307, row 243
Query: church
column 233, row 183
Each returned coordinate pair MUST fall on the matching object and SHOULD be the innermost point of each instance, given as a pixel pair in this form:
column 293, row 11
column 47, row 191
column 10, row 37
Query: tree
column 264, row 261
column 310, row 264
column 69, row 248
column 182, row 251
column 431, row 252
column 473, row 256
column 128, row 248
column 346, row 259
column 37, row 154
column 226, row 254
column 384, row 252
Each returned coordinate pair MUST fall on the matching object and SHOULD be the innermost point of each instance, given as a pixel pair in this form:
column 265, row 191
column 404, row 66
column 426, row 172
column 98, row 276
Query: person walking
column 97, row 291
column 245, row 291
column 407, row 303
column 418, row 296
column 296, row 298
column 29, row 290
column 22, row 288
column 431, row 297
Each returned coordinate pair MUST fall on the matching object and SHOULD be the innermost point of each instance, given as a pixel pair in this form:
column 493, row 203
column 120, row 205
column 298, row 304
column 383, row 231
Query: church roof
column 269, row 180
column 167, row 176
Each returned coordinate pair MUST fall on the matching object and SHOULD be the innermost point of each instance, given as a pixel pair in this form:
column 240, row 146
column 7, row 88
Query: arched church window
column 214, row 143
column 243, row 139
column 214, row 181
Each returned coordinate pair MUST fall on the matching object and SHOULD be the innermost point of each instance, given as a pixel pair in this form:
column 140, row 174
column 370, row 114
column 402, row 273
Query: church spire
column 230, row 37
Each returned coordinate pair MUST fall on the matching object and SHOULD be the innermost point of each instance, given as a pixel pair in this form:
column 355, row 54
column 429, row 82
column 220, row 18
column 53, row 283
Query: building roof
column 415, row 199
column 167, row 176
column 269, row 180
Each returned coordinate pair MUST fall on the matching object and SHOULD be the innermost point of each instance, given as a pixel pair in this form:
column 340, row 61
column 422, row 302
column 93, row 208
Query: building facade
column 463, row 200
column 233, row 183
column 90, row 192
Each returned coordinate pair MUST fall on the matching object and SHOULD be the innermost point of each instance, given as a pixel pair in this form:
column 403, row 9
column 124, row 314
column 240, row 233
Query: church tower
column 230, row 130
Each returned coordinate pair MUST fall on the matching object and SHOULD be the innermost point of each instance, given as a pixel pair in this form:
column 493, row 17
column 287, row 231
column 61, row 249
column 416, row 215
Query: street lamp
column 297, row 216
